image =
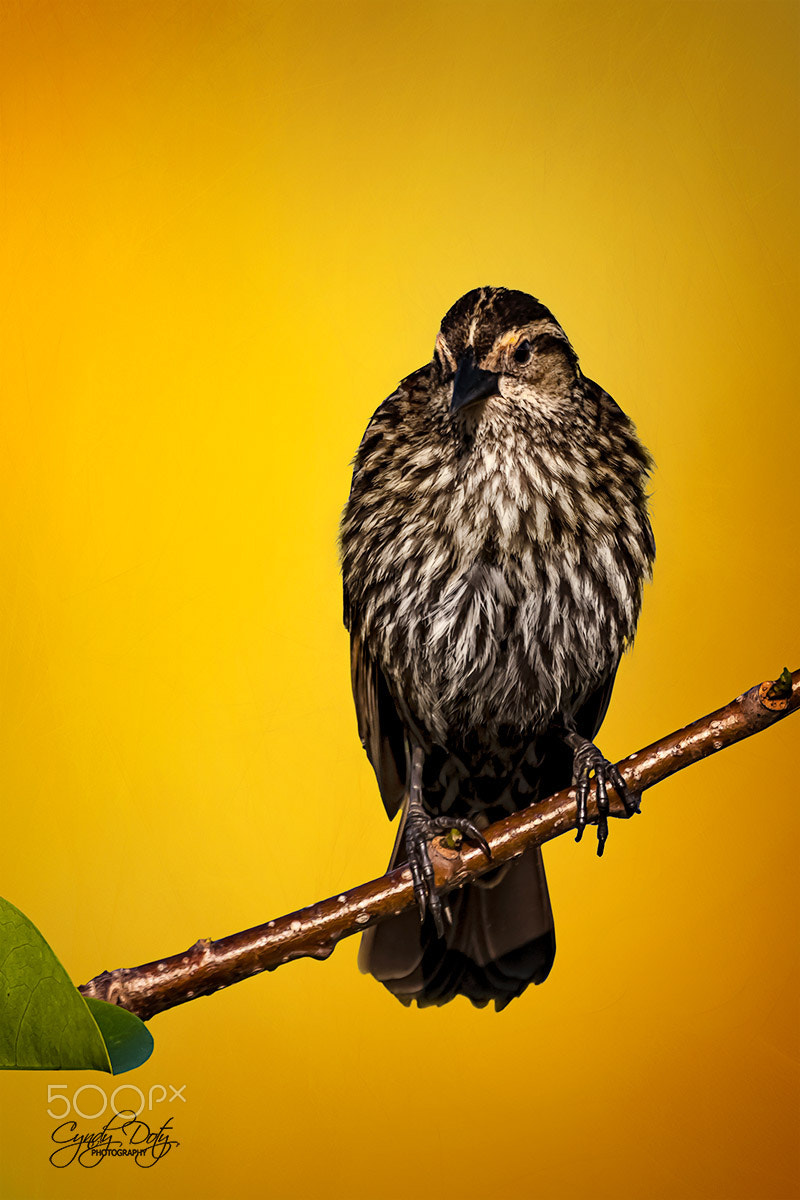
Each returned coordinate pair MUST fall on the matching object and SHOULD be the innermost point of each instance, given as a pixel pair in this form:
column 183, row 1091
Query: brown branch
column 313, row 932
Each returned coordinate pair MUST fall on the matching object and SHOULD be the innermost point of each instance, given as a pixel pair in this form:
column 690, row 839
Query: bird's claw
column 587, row 758
column 419, row 831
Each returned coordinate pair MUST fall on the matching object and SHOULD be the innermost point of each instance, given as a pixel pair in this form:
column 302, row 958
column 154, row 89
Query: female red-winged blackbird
column 494, row 548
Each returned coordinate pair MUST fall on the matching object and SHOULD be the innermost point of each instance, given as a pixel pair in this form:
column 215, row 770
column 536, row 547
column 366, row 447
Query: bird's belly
column 492, row 647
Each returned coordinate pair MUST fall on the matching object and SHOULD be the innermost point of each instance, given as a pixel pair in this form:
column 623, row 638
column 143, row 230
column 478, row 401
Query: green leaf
column 128, row 1040
column 45, row 1023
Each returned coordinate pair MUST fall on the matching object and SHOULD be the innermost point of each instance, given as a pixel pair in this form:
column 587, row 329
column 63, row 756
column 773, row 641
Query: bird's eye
column 522, row 353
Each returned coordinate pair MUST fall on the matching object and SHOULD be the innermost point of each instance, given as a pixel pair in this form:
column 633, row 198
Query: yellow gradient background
column 228, row 229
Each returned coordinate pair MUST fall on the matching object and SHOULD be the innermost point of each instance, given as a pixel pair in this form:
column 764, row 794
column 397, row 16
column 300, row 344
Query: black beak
column 471, row 383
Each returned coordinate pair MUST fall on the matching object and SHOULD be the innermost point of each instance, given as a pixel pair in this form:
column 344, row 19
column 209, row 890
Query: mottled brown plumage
column 494, row 548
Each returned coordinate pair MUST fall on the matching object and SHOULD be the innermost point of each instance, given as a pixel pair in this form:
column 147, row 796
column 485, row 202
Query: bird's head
column 499, row 349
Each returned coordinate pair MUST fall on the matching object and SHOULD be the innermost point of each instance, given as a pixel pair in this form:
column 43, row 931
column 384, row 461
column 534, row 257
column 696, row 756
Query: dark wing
column 379, row 727
column 591, row 715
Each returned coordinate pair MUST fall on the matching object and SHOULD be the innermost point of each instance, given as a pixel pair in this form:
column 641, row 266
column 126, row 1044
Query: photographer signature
column 122, row 1136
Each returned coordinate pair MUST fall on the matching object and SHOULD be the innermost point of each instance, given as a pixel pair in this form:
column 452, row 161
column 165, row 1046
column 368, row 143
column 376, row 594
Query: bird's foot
column 587, row 759
column 420, row 828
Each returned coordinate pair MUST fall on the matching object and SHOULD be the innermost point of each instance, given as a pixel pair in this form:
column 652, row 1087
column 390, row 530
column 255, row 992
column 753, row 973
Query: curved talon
column 422, row 875
column 602, row 807
column 416, row 879
column 631, row 801
column 587, row 758
column 466, row 828
column 636, row 801
column 582, row 796
column 418, row 834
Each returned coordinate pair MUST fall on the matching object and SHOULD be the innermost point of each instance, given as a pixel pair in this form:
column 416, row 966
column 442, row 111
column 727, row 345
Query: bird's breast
column 494, row 643
column 492, row 597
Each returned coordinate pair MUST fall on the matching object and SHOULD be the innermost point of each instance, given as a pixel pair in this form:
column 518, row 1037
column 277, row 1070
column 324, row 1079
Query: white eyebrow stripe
column 551, row 327
column 532, row 331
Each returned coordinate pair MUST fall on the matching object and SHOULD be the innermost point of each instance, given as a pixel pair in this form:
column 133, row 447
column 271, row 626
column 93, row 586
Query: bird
column 494, row 548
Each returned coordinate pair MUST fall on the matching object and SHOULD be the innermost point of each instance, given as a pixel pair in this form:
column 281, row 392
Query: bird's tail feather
column 499, row 938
